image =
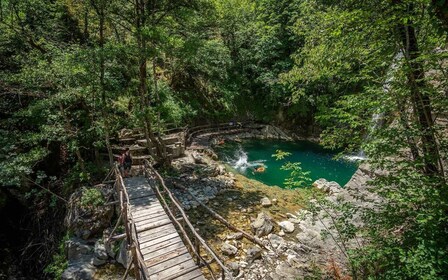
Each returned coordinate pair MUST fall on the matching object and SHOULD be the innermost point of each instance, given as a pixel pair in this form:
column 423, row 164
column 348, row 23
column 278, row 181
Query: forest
column 367, row 76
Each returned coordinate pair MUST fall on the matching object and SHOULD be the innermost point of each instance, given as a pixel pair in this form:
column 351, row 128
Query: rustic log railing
column 192, row 132
column 140, row 270
column 183, row 225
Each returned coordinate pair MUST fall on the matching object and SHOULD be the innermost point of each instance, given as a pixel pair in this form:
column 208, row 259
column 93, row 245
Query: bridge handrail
column 199, row 240
column 193, row 131
column 141, row 272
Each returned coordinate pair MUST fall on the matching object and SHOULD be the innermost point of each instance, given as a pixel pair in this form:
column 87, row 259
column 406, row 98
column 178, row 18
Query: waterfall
column 377, row 118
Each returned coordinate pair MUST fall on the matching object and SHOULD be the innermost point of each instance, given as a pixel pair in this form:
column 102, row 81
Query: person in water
column 260, row 169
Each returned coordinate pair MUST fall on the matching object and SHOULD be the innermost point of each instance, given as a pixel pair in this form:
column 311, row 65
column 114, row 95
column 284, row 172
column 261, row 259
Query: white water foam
column 240, row 161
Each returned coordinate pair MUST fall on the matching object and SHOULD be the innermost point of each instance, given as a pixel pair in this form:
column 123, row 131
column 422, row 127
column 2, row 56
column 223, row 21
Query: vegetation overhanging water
column 246, row 156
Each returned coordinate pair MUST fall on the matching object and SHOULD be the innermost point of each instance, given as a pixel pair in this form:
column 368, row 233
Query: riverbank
column 294, row 237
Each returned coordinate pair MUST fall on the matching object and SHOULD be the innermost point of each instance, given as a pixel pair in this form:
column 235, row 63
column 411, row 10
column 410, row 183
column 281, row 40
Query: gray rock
column 98, row 262
column 286, row 271
column 310, row 238
column 265, row 202
column 100, row 251
column 301, row 248
column 287, row 226
column 263, row 225
column 75, row 248
column 253, row 253
column 234, row 267
column 82, row 270
column 328, row 187
column 123, row 257
column 236, row 236
column 80, row 258
column 229, row 250
column 275, row 240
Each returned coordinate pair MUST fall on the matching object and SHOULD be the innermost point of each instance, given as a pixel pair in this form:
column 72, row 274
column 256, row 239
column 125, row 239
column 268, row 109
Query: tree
column 381, row 60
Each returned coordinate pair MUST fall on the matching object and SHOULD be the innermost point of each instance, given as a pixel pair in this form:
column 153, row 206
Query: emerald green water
column 244, row 157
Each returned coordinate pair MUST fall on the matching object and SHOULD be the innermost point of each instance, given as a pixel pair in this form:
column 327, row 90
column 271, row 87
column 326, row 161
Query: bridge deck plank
column 164, row 252
column 151, row 234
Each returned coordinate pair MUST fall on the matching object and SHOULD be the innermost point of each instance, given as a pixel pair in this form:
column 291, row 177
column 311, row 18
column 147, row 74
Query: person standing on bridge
column 126, row 162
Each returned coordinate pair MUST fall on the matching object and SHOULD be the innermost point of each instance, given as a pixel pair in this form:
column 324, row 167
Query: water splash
column 240, row 161
column 358, row 157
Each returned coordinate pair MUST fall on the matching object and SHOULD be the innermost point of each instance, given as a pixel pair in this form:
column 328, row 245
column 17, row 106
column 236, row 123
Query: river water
column 244, row 157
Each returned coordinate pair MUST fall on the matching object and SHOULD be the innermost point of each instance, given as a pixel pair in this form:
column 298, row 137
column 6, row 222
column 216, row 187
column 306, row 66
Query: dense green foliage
column 384, row 62
column 370, row 74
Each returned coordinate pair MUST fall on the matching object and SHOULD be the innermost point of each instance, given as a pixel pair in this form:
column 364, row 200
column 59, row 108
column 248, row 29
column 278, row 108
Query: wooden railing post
column 135, row 261
column 198, row 250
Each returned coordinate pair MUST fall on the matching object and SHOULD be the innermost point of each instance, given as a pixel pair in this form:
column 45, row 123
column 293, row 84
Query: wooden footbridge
column 161, row 240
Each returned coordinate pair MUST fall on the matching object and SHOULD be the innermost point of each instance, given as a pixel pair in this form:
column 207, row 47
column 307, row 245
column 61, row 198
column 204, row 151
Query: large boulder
column 263, row 225
column 80, row 257
column 89, row 214
column 76, row 248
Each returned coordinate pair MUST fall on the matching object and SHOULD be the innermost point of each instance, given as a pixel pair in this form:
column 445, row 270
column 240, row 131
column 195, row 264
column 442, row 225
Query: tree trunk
column 143, row 87
column 420, row 100
column 105, row 106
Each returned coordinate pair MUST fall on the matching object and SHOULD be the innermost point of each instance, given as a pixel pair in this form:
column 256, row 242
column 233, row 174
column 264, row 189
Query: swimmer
column 260, row 169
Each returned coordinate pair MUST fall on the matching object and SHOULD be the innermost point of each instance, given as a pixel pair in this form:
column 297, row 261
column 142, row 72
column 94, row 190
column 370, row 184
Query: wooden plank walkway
column 164, row 252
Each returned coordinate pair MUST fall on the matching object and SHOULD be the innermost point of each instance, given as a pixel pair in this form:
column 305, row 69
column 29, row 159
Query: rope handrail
column 200, row 240
column 131, row 230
